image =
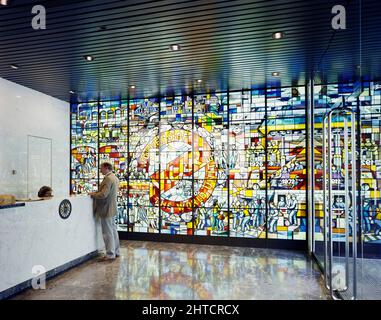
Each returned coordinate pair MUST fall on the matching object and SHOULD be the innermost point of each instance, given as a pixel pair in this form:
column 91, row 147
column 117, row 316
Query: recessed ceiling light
column 14, row 66
column 175, row 47
column 4, row 2
column 199, row 80
column 275, row 74
column 278, row 35
column 132, row 87
column 89, row 58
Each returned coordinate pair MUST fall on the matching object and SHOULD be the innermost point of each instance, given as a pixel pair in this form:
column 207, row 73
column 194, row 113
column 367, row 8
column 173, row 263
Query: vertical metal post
column 193, row 149
column 98, row 144
column 71, row 180
column 350, row 195
column 354, row 203
column 266, row 166
column 128, row 162
column 324, row 177
column 330, row 235
column 346, row 189
column 159, row 153
column 311, row 167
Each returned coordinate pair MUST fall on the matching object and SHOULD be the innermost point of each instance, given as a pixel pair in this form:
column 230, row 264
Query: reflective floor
column 368, row 278
column 151, row 270
column 369, row 287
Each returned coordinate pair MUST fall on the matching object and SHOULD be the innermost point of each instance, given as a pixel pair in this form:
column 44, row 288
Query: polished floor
column 151, row 270
column 368, row 277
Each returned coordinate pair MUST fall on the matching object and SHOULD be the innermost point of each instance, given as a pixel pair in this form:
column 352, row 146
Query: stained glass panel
column 84, row 144
column 209, row 165
column 370, row 111
column 286, row 166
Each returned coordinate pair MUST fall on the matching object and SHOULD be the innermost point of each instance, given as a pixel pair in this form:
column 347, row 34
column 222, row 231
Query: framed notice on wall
column 39, row 170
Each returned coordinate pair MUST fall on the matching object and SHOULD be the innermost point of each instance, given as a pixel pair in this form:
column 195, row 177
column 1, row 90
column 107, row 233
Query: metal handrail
column 325, row 203
column 327, row 209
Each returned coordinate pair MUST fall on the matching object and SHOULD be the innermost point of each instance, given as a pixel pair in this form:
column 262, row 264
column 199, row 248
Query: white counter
column 36, row 235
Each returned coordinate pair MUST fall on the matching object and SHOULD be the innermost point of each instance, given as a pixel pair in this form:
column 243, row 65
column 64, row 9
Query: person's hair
column 44, row 191
column 107, row 165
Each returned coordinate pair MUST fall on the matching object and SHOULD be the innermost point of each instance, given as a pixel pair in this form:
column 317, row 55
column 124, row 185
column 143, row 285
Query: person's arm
column 104, row 190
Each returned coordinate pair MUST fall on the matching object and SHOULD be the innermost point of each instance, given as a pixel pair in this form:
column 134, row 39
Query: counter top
column 8, row 206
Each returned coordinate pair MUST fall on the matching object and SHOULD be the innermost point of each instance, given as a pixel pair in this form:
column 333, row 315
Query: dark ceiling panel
column 226, row 43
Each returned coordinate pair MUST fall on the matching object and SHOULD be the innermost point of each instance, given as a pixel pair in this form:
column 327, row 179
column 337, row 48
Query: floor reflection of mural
column 179, row 271
column 208, row 165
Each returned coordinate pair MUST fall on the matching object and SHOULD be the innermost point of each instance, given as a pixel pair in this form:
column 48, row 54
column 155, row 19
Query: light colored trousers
column 110, row 237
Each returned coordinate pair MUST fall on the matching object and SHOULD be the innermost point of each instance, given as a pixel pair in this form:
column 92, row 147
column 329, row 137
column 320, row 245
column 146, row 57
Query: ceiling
column 226, row 44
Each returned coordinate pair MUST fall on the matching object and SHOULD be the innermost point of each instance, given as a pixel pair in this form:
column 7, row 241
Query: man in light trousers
column 105, row 208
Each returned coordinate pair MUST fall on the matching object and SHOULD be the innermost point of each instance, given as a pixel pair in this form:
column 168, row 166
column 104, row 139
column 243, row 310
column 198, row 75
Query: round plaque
column 64, row 209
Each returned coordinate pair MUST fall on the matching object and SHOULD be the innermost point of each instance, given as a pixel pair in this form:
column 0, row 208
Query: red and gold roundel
column 181, row 163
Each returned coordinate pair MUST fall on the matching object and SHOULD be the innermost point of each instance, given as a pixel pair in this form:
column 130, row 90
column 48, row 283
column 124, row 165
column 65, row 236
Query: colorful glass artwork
column 368, row 108
column 84, row 144
column 370, row 118
column 143, row 164
column 220, row 164
column 327, row 97
column 113, row 140
column 286, row 163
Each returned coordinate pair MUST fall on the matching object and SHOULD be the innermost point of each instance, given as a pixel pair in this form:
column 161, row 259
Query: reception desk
column 36, row 235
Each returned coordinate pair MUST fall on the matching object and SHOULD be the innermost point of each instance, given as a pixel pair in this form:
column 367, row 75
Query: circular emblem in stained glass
column 64, row 209
column 180, row 161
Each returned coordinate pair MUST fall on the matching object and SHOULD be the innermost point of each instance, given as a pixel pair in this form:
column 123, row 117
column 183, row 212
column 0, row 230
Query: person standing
column 105, row 208
column 292, row 208
column 235, row 212
column 201, row 218
column 256, row 214
column 366, row 216
column 216, row 211
column 246, row 218
column 273, row 217
column 377, row 220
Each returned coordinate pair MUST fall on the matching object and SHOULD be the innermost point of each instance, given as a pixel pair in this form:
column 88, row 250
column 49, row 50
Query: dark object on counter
column 45, row 192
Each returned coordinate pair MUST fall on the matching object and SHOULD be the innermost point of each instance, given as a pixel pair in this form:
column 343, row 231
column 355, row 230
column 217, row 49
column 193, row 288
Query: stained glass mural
column 84, row 144
column 143, row 164
column 370, row 115
column 174, row 177
column 113, row 139
column 286, row 163
column 326, row 98
column 210, row 172
column 247, row 174
column 215, row 164
column 322, row 103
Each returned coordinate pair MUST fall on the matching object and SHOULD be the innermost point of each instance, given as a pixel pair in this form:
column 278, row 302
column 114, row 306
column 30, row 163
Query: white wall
column 24, row 112
column 36, row 235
